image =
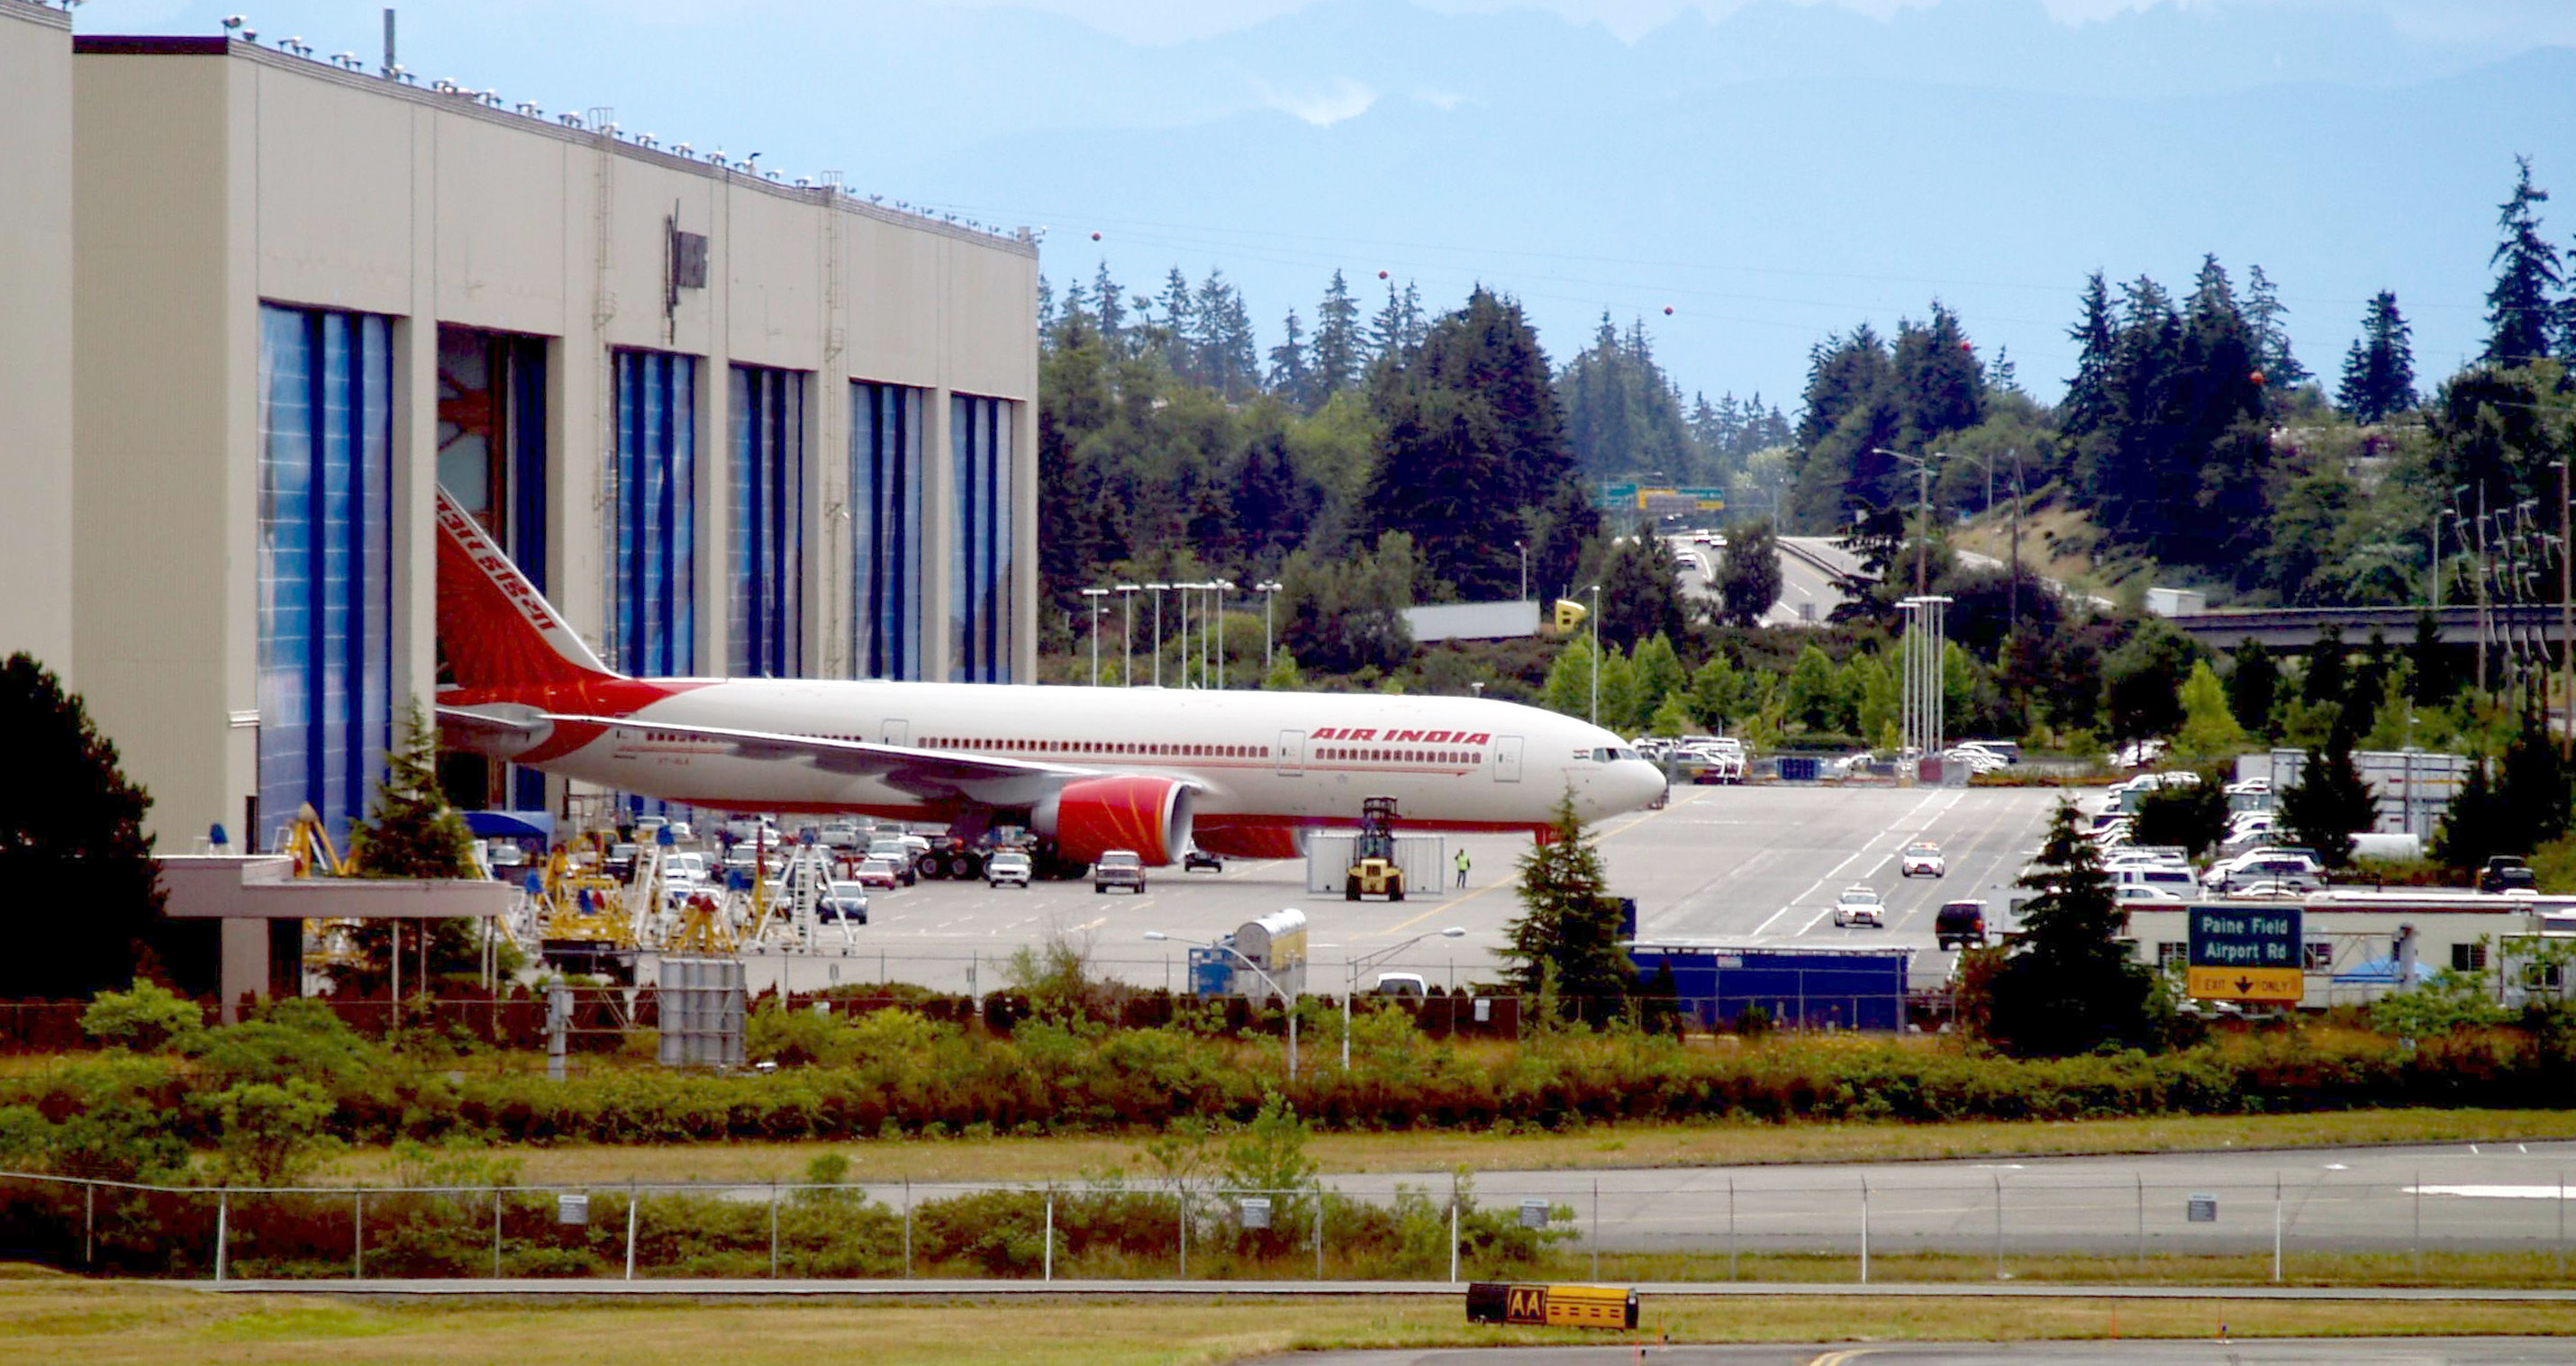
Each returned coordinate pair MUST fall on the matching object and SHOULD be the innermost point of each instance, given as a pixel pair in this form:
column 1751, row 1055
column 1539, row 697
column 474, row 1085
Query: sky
column 1771, row 171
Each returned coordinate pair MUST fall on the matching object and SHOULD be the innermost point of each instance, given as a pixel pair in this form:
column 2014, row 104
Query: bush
column 145, row 1019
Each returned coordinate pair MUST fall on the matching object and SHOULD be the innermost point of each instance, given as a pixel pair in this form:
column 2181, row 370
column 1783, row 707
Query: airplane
column 1087, row 770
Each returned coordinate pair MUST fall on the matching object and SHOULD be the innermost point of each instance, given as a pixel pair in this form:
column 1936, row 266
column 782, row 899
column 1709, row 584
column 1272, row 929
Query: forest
column 1383, row 455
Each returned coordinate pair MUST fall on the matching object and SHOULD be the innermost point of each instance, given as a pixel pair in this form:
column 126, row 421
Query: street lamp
column 1595, row 591
column 1269, row 591
column 1096, row 595
column 1223, row 587
column 1157, row 936
column 1523, row 548
column 1372, row 960
column 1127, row 643
column 1158, row 590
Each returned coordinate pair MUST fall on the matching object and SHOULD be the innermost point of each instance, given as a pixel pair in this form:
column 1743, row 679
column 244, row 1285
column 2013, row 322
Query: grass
column 1593, row 1147
column 54, row 1319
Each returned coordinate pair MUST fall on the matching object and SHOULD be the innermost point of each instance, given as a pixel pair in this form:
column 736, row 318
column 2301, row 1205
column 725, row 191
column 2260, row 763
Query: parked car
column 846, row 904
column 1959, row 924
column 1198, row 858
column 877, row 872
column 1859, row 907
column 1006, row 865
column 1922, row 858
column 1119, row 868
column 901, row 856
column 2149, row 892
column 2504, row 873
column 1400, row 984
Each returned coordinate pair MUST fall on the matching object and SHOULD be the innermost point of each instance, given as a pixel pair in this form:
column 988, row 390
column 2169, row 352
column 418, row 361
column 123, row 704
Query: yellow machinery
column 579, row 904
column 327, row 943
column 1373, row 869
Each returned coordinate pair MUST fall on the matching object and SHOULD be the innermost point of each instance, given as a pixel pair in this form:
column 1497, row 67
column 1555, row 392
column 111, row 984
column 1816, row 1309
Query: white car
column 1859, row 906
column 2140, row 891
column 1922, row 858
column 1007, row 865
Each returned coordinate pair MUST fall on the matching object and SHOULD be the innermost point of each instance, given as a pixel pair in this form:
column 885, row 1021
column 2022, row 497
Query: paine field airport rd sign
column 2245, row 954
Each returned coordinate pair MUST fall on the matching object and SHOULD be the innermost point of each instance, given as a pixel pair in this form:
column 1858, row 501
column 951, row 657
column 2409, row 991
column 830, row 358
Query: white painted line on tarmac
column 2490, row 1192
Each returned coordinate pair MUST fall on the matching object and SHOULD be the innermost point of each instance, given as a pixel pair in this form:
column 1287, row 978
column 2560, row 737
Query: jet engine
column 1090, row 816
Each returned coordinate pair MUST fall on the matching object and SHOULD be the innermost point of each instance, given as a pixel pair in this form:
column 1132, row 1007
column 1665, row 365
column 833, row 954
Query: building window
column 2468, row 958
column 2320, row 955
column 2172, row 955
column 325, row 563
column 979, row 566
column 765, row 632
column 652, row 578
column 885, row 531
column 492, row 461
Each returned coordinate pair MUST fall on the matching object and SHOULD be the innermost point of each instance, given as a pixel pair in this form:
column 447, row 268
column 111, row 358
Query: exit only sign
column 2245, row 954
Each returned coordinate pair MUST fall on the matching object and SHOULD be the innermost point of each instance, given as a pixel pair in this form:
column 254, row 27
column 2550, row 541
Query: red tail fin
column 497, row 630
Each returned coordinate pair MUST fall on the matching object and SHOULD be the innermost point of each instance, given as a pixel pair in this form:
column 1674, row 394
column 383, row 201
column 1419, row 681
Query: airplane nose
column 1638, row 784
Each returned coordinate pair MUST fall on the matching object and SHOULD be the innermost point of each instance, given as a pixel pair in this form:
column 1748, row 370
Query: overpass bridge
column 2294, row 628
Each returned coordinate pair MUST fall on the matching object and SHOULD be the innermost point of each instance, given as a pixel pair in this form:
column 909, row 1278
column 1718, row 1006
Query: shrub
column 145, row 1019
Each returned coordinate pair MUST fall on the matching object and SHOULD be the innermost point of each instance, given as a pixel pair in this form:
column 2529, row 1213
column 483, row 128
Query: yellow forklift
column 1373, row 871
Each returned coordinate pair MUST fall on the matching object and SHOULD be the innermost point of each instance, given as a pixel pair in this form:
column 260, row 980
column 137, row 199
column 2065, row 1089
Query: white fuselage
column 1256, row 757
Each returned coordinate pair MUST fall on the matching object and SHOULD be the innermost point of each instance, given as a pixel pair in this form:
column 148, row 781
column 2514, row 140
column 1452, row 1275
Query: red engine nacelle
column 1091, row 816
column 1251, row 841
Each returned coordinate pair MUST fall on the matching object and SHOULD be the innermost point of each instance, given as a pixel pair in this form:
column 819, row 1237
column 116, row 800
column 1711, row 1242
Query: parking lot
column 1732, row 865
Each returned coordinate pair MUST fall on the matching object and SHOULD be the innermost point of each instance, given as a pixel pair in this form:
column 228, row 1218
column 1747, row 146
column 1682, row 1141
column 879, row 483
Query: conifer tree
column 2379, row 371
column 1108, row 309
column 82, row 884
column 2521, row 306
column 2331, row 802
column 2068, row 985
column 2090, row 403
column 412, row 832
column 1568, row 929
column 1748, row 573
column 1337, row 340
column 2253, row 685
column 1292, row 378
column 2263, row 313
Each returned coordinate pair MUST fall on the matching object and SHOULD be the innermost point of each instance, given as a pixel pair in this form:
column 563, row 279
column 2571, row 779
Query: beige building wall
column 215, row 177
column 35, row 335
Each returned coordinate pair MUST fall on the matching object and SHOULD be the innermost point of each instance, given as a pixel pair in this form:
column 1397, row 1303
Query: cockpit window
column 1611, row 754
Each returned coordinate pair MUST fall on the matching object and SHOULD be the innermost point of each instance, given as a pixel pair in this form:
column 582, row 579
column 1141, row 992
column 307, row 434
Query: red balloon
column 2257, row 377
column 1381, row 275
column 1095, row 237
column 1967, row 346
column 1668, row 310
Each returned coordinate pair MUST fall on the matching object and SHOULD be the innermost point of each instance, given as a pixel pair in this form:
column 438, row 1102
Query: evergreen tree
column 1291, row 377
column 1556, row 532
column 412, row 831
column 2263, row 313
column 1337, row 341
column 2521, row 306
column 1223, row 341
column 1748, row 573
column 1472, row 440
column 1109, row 307
column 2325, row 681
column 75, row 857
column 2142, row 681
column 1176, row 328
column 2379, row 371
column 2477, row 824
column 1567, row 934
column 1641, row 593
column 1621, row 415
column 1717, row 690
column 1046, row 309
column 2090, row 404
column 1939, row 387
column 1661, row 680
column 2435, row 681
column 2330, row 803
column 2188, row 816
column 2533, row 785
column 2253, row 685
column 2068, row 985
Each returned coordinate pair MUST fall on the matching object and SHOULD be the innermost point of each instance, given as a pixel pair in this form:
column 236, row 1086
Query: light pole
column 1096, row 595
column 1223, row 587
column 1595, row 591
column 1182, row 609
column 1127, row 643
column 1523, row 548
column 1158, row 590
column 1269, row 591
column 1157, row 936
column 1372, row 960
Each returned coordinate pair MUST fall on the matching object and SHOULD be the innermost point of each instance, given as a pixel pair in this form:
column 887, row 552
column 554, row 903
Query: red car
column 877, row 872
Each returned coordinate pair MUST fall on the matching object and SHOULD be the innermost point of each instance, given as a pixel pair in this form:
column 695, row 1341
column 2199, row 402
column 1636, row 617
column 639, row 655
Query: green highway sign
column 2245, row 954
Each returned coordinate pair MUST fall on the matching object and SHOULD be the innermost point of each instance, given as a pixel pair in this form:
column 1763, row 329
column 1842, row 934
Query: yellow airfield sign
column 2285, row 985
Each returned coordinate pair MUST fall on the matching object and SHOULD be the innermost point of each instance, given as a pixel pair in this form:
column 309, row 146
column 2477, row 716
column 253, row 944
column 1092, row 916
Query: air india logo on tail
column 494, row 565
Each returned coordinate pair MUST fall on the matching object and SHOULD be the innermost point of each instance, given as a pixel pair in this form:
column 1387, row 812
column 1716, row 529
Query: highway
column 1807, row 594
column 2194, row 1352
column 1735, row 865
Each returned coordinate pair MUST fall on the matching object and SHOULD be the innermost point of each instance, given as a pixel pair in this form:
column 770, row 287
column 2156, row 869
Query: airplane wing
column 926, row 772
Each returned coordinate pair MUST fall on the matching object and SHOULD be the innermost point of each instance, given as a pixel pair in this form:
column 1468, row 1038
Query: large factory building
column 255, row 305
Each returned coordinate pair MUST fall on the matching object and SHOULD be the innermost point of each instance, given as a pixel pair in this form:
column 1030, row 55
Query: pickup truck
column 1118, row 868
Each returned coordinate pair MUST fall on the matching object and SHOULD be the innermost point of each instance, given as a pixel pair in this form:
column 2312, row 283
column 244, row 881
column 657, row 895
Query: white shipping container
column 1424, row 859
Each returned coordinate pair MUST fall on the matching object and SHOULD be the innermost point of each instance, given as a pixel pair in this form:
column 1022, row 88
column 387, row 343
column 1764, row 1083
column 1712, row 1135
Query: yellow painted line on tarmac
column 1842, row 1358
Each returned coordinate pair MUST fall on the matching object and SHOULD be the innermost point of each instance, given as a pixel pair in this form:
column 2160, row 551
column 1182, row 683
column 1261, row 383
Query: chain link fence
column 2436, row 1227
